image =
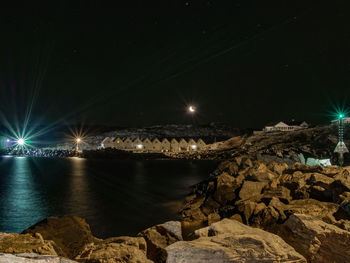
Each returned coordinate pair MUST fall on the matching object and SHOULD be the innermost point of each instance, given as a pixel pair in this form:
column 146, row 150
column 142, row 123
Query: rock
column 70, row 233
column 115, row 249
column 316, row 240
column 320, row 180
column 225, row 189
column 231, row 241
column 277, row 168
column 280, row 192
column 260, row 173
column 317, row 209
column 237, row 217
column 212, row 218
column 159, row 237
column 27, row 243
column 32, row 258
column 247, row 208
column 192, row 210
column 250, row 189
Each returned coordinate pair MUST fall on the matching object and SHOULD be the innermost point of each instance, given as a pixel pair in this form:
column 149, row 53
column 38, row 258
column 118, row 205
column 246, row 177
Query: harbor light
column 20, row 141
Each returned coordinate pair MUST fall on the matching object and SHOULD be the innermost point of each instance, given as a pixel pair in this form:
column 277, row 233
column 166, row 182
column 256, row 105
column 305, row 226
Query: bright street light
column 78, row 140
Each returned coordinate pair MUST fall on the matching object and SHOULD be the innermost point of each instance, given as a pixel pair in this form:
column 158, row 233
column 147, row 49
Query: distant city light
column 21, row 141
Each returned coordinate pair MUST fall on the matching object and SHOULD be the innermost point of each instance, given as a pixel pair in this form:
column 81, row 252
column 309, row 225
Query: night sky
column 140, row 63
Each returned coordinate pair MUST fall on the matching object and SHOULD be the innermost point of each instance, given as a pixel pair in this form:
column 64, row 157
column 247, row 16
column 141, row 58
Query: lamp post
column 341, row 147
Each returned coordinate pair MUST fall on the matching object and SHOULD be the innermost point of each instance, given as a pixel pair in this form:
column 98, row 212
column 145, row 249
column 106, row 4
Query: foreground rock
column 28, row 243
column 316, row 240
column 32, row 258
column 231, row 241
column 115, row 249
column 159, row 237
column 70, row 233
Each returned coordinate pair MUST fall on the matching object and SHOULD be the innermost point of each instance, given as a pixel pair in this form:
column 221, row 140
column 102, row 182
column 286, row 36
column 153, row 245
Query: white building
column 346, row 120
column 286, row 126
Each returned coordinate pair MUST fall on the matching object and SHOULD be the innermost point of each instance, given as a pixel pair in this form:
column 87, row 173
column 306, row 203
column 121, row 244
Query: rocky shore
column 247, row 210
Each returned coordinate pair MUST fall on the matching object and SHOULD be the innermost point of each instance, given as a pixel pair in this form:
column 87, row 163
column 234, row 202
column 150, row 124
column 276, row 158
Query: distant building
column 346, row 120
column 200, row 144
column 183, row 145
column 174, row 145
column 107, row 143
column 127, row 144
column 192, row 145
column 118, row 143
column 286, row 126
column 157, row 145
column 165, row 145
column 147, row 144
column 138, row 145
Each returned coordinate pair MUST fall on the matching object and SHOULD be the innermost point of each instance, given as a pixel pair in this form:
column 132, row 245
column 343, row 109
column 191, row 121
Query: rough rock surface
column 32, row 258
column 28, row 243
column 115, row 249
column 231, row 241
column 316, row 240
column 264, row 194
column 159, row 237
column 70, row 233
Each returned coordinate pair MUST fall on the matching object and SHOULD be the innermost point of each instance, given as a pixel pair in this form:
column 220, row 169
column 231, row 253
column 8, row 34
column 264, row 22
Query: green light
column 341, row 116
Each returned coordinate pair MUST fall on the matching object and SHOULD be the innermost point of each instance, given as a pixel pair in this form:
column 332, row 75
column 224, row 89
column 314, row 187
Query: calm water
column 115, row 197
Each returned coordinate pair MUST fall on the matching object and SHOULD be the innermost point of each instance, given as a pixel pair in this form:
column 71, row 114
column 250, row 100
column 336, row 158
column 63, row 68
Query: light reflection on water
column 116, row 197
column 21, row 196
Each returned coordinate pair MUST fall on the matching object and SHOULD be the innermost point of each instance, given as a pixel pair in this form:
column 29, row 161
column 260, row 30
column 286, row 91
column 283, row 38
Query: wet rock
column 159, row 237
column 70, row 233
column 27, row 243
column 231, row 241
column 115, row 249
column 32, row 258
column 316, row 240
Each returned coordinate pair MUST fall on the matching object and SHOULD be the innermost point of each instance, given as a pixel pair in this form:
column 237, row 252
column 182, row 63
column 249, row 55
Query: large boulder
column 316, row 240
column 115, row 250
column 70, row 233
column 32, row 258
column 231, row 241
column 27, row 243
column 159, row 237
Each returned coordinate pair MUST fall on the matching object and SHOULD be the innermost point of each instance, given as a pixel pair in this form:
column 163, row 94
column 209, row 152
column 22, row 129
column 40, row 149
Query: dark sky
column 141, row 62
